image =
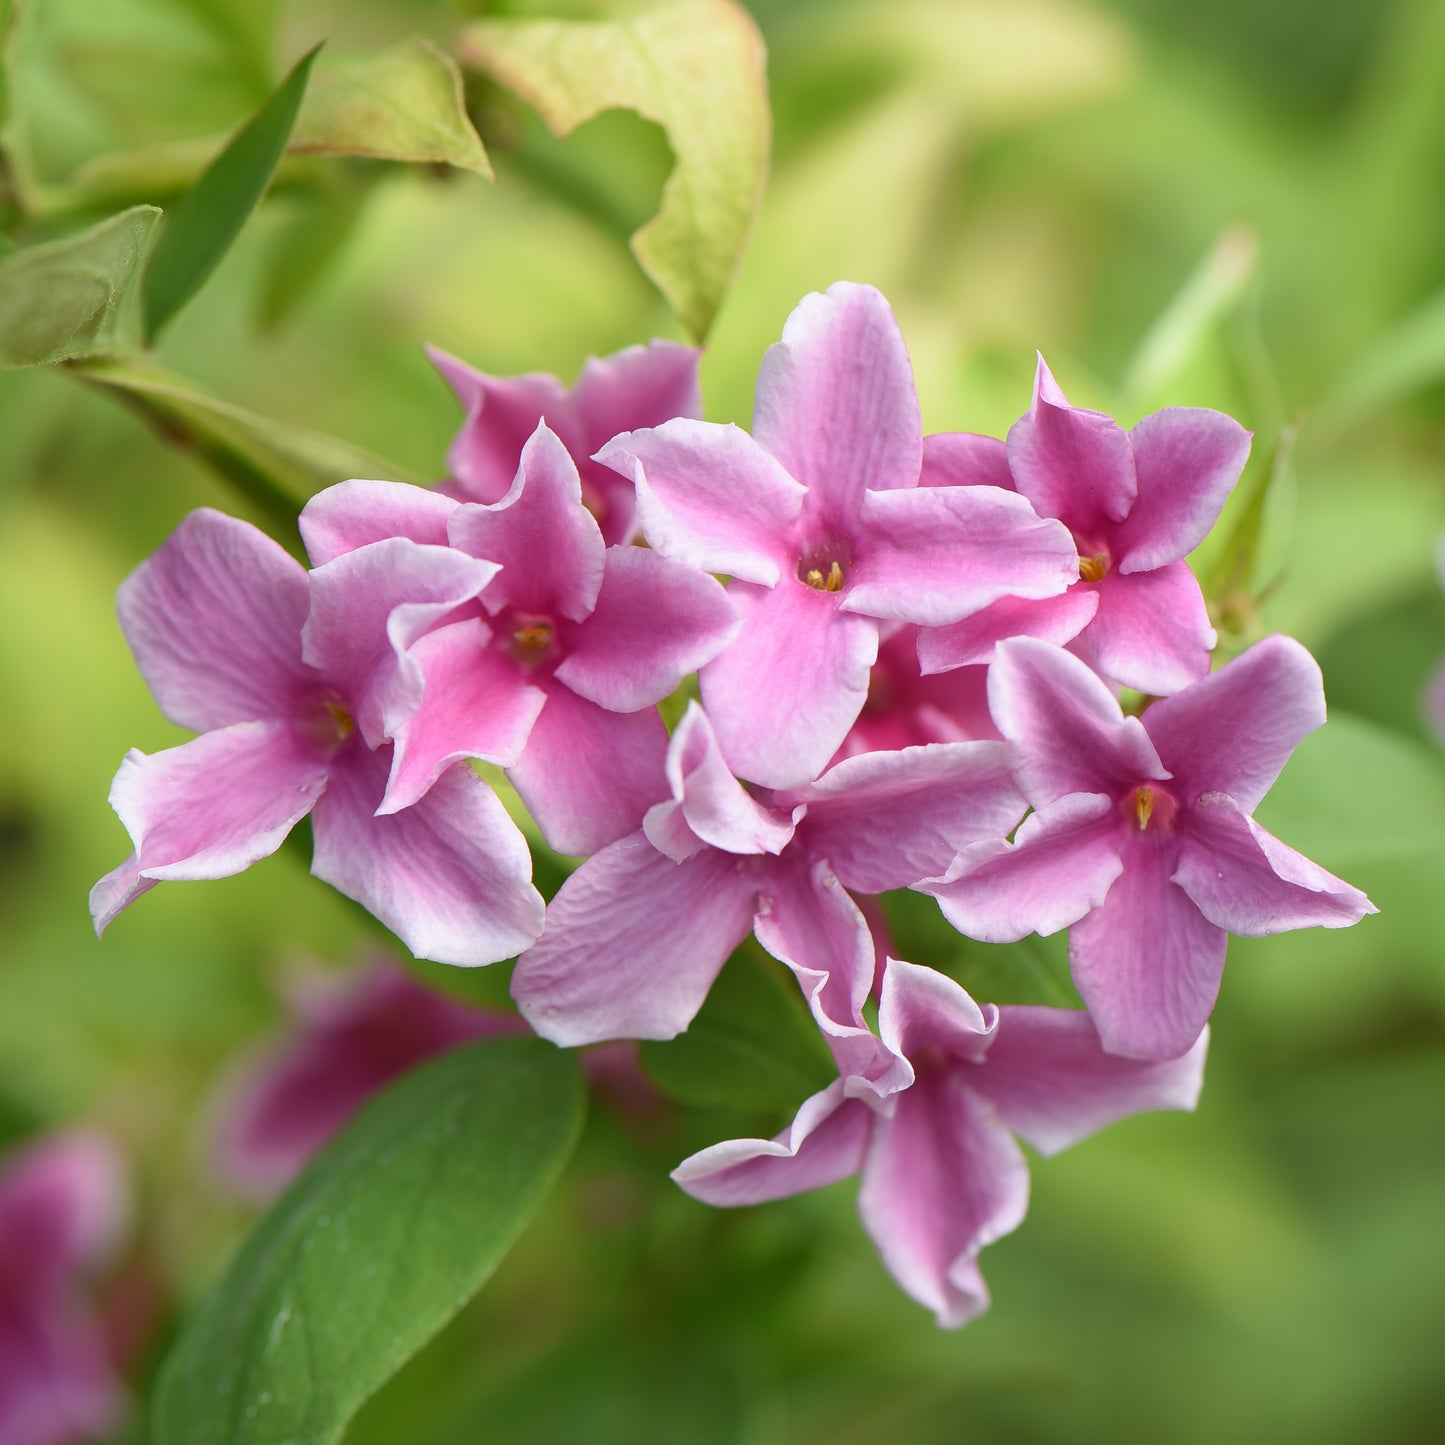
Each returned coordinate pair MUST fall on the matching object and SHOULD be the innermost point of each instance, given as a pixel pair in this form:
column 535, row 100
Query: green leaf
column 1409, row 357
column 696, row 68
column 752, row 1044
column 201, row 228
column 75, row 297
column 388, row 1232
column 405, row 104
column 17, row 184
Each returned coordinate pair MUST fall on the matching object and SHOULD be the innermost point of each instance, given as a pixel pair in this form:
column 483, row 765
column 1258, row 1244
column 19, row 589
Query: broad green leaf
column 752, row 1044
column 696, row 68
column 201, row 228
column 75, row 297
column 405, row 104
column 388, row 1232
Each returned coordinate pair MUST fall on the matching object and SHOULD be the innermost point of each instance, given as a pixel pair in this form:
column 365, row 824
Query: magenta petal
column 1187, row 460
column 57, row 1384
column 1072, row 464
column 1147, row 963
column 214, row 620
column 886, row 820
column 638, row 387
column 654, row 622
column 1063, row 861
column 1051, row 619
column 836, row 404
column 965, row 459
column 1151, row 631
column 209, row 808
column 450, row 876
column 823, row 1144
column 1245, row 880
column 1233, row 731
column 710, row 496
column 942, row 1179
column 922, row 1011
column 934, row 555
column 784, row 694
column 353, row 514
column 633, row 943
column 1051, row 1082
column 474, row 705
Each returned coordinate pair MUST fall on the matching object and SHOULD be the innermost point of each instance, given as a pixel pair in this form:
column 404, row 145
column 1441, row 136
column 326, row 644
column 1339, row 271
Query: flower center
column 822, row 571
column 532, row 640
column 331, row 724
column 1093, row 568
column 1150, row 806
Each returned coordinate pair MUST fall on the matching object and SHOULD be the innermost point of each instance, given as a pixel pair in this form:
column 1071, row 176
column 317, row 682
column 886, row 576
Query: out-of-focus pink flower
column 61, row 1207
column 640, row 387
column 290, row 679
column 1433, row 699
column 819, row 520
column 1136, row 503
column 928, row 1114
column 1143, row 838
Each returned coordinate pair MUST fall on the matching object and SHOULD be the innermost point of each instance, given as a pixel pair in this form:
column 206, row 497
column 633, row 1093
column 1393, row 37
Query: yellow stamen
column 345, row 723
column 1092, row 569
column 833, row 582
column 1144, row 806
column 530, row 643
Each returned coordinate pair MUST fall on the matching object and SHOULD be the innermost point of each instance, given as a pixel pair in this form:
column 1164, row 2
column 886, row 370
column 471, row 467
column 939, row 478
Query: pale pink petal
column 823, row 1144
column 886, row 820
column 633, row 943
column 942, row 1179
column 637, row 387
column 934, row 555
column 965, row 459
column 654, row 622
column 547, row 543
column 1051, row 619
column 1244, row 879
column 922, row 1011
column 588, row 775
column 1071, row 734
column 209, row 808
column 1187, row 460
column 836, row 404
column 450, row 876
column 1147, row 963
column 1151, row 630
column 1233, row 731
column 475, row 704
column 1432, row 704
column 784, row 694
column 709, row 495
column 353, row 514
column 1071, row 463
column 1063, row 861
column 1051, row 1082
column 214, row 620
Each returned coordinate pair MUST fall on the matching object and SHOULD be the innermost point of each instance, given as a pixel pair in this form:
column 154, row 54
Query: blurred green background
column 1239, row 205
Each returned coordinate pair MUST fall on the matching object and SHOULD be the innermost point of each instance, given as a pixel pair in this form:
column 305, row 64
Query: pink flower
column 1135, row 502
column 61, row 1203
column 1142, row 837
column 636, row 936
column 639, row 387
column 819, row 520
column 289, row 679
column 928, row 1114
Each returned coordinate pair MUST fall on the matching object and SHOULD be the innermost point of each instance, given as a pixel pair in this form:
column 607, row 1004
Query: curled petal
column 354, row 514
column 921, row 1010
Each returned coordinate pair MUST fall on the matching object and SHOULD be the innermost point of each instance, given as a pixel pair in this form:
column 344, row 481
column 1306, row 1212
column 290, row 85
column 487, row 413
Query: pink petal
column 640, row 386
column 965, row 459
column 710, row 496
column 1050, row 1080
column 1063, row 861
column 1072, row 464
column 57, row 1383
column 1187, row 460
column 921, row 1011
column 1070, row 733
column 1151, row 631
column 633, row 943
column 209, row 808
column 886, row 820
column 1233, row 731
column 1051, row 619
column 934, row 555
column 450, row 876
column 474, row 704
column 1245, row 880
column 352, row 514
column 588, row 775
column 784, row 694
column 1147, row 963
column 836, row 404
column 654, row 622
column 214, row 620
column 548, row 545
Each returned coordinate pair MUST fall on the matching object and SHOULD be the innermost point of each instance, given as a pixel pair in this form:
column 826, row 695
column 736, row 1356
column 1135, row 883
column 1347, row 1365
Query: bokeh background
column 1239, row 205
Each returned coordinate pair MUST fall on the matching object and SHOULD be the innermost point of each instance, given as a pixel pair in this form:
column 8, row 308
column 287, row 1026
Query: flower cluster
column 910, row 679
